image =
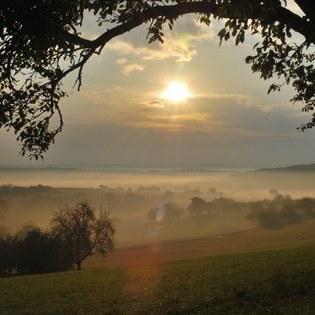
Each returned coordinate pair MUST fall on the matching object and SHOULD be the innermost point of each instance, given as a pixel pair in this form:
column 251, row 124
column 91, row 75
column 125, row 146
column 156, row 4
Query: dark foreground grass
column 268, row 282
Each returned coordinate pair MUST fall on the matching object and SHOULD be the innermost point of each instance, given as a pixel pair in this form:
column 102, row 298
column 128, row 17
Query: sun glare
column 176, row 92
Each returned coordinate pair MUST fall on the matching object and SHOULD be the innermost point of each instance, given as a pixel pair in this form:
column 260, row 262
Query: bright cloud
column 121, row 61
column 127, row 69
column 180, row 50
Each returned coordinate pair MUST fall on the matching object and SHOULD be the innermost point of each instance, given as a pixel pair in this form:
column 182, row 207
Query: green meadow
column 278, row 281
column 223, row 264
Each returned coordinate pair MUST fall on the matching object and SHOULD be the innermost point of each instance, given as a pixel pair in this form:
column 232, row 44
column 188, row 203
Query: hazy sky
column 120, row 118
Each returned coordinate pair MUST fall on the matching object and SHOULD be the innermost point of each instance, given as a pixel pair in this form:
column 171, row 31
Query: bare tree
column 84, row 232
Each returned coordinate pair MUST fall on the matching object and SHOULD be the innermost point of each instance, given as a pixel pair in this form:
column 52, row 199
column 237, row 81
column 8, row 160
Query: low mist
column 155, row 206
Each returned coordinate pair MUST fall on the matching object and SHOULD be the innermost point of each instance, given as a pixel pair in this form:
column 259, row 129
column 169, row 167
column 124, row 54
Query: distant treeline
column 197, row 207
column 20, row 189
column 280, row 211
column 272, row 213
column 292, row 168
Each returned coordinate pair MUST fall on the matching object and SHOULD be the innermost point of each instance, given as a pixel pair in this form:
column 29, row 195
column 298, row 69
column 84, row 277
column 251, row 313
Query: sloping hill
column 231, row 243
column 292, row 168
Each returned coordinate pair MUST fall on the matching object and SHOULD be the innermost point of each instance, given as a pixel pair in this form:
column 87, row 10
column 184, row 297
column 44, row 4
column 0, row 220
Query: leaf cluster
column 41, row 44
column 32, row 51
column 291, row 63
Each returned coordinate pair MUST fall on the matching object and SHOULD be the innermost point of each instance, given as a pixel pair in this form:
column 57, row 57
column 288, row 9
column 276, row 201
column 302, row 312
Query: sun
column 176, row 92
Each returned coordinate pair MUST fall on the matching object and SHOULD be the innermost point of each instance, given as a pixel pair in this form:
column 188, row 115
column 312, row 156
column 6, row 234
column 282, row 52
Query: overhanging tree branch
column 40, row 45
column 307, row 6
column 170, row 12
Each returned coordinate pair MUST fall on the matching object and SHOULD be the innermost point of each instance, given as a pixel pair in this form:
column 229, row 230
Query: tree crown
column 41, row 44
column 83, row 231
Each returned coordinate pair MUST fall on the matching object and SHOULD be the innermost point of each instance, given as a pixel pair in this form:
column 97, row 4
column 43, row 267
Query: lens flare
column 160, row 214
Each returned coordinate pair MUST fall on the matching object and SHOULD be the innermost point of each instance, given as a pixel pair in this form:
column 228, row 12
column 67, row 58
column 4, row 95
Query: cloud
column 121, row 61
column 192, row 115
column 179, row 44
column 228, row 115
column 155, row 103
column 165, row 122
column 181, row 50
column 127, row 69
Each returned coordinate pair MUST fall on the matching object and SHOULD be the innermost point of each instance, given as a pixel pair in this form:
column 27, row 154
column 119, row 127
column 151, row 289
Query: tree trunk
column 79, row 265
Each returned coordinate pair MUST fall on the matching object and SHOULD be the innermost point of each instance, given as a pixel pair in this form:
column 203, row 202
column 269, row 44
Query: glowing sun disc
column 176, row 92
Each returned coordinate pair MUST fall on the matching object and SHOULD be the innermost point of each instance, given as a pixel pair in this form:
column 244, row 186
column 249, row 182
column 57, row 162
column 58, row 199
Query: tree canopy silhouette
column 41, row 43
column 83, row 232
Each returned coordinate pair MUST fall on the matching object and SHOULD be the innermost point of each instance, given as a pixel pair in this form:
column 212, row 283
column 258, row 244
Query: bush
column 39, row 252
column 167, row 211
column 8, row 254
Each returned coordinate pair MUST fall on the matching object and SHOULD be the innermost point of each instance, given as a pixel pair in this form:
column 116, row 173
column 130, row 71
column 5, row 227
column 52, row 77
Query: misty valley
column 152, row 206
column 194, row 241
column 145, row 157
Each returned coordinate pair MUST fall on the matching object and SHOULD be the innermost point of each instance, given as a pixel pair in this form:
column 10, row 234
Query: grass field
column 275, row 281
column 266, row 282
column 224, row 244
